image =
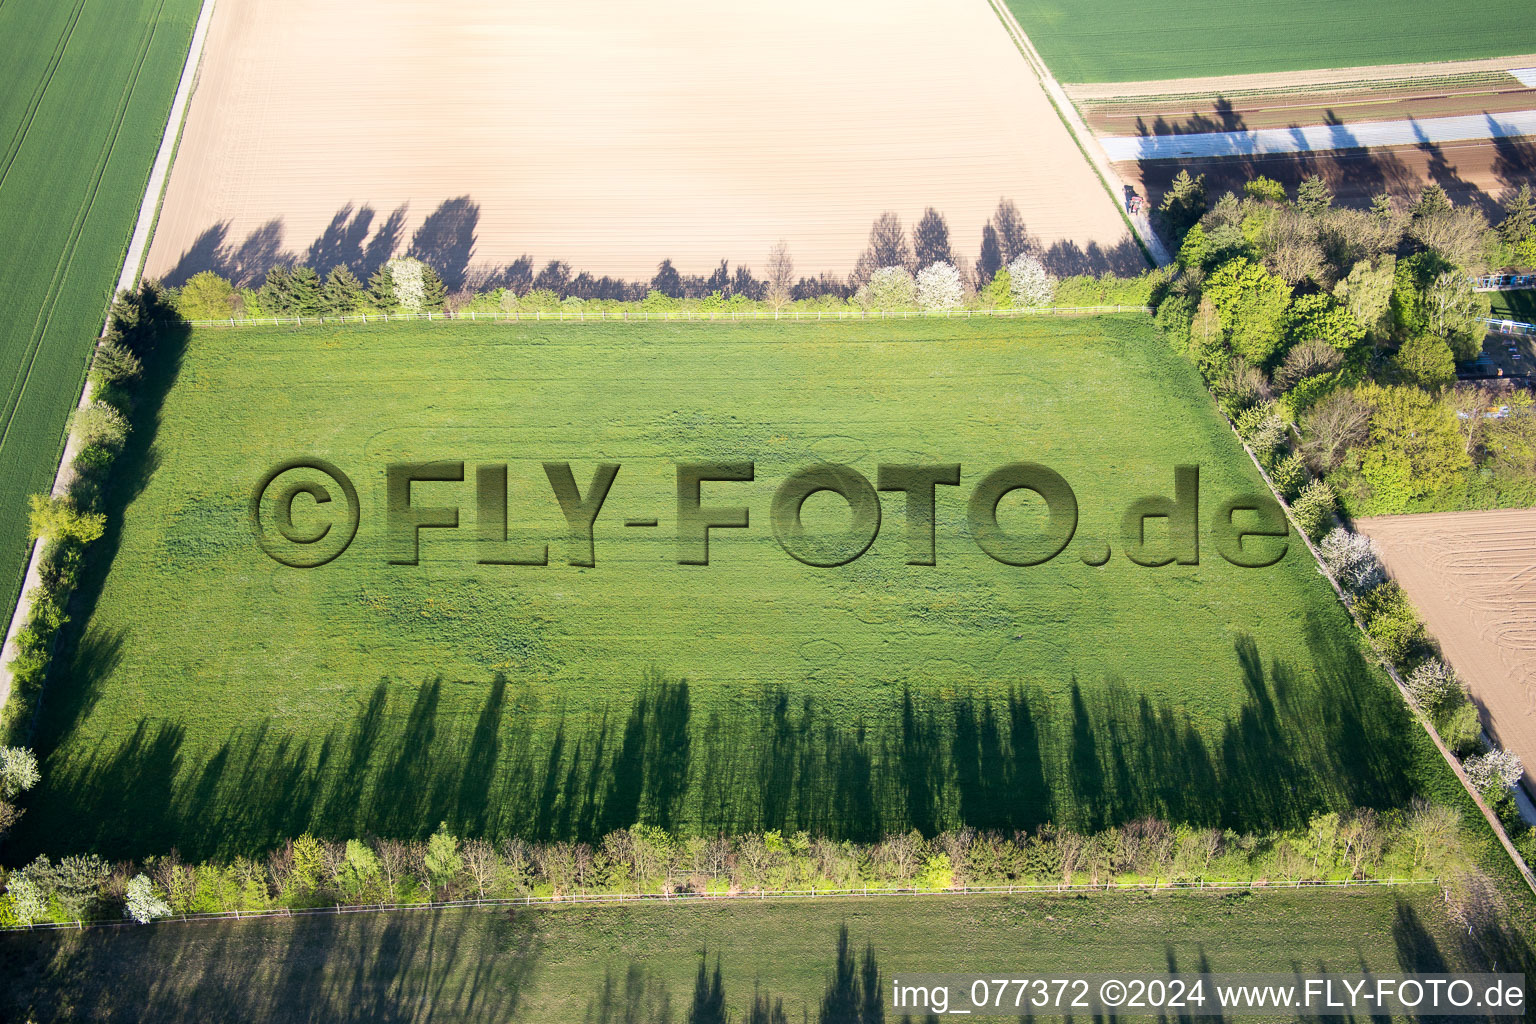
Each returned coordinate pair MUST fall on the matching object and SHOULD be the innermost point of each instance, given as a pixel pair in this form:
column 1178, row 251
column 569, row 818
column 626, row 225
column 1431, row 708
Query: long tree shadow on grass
column 499, row 760
column 85, row 655
column 450, row 965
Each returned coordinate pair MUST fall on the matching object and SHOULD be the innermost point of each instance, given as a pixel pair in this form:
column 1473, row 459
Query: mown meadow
column 207, row 697
column 611, row 965
column 88, row 89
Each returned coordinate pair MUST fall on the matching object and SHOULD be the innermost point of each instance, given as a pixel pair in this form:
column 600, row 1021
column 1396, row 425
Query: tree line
column 1421, row 841
column 894, row 271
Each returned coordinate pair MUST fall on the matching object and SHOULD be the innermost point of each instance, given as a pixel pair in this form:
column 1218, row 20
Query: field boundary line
column 673, row 316
column 1140, row 224
column 749, row 896
column 1402, row 688
column 152, row 192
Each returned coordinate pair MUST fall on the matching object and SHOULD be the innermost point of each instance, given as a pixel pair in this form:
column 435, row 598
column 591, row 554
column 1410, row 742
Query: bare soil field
column 612, row 136
column 1472, row 577
column 1223, row 112
column 1477, row 172
column 1288, row 81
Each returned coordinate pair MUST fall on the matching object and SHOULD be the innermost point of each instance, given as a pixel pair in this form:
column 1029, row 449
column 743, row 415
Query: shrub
column 1462, row 729
column 99, row 424
column 1353, row 560
column 1391, row 622
column 1314, row 508
column 1250, row 420
column 1029, row 281
column 1269, row 440
column 1495, row 773
column 1290, row 475
column 888, row 288
column 58, row 519
column 939, row 287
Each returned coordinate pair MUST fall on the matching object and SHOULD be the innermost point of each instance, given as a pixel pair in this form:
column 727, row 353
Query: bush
column 1391, row 622
column 1314, row 508
column 888, row 288
column 59, row 520
column 1462, row 729
column 1353, row 560
column 1290, row 475
column 101, row 425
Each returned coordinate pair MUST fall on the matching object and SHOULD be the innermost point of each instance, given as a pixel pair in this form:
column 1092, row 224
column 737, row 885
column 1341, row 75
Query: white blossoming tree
column 1434, row 686
column 18, row 771
column 1495, row 773
column 1031, row 284
column 939, row 287
column 1353, row 559
column 410, row 286
column 142, row 902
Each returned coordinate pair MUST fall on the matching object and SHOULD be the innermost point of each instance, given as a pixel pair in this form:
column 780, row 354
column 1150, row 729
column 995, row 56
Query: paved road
column 1362, row 135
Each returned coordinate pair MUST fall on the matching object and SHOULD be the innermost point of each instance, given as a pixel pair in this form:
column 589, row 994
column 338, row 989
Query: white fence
column 726, row 316
column 1509, row 326
column 1258, row 885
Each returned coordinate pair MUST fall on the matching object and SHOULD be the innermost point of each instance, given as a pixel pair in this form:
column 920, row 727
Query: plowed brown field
column 612, row 135
column 1472, row 577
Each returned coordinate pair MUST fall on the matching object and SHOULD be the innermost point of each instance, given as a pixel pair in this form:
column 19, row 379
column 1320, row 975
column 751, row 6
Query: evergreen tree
column 381, row 291
column 1432, row 199
column 434, row 292
column 1313, row 196
column 1183, row 204
column 304, row 287
column 343, row 292
column 1519, row 224
column 276, row 294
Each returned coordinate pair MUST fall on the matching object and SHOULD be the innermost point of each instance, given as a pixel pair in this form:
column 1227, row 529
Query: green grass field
column 87, row 90
column 217, row 701
column 1514, row 306
column 1123, row 41
column 607, row 966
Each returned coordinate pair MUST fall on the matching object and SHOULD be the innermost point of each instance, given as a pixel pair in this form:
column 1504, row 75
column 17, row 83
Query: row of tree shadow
column 485, row 966
column 357, row 239
column 1354, row 175
column 493, row 760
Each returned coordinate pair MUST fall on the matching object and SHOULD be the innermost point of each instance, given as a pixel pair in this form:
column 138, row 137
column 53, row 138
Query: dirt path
column 612, row 135
column 1472, row 578
column 1284, row 80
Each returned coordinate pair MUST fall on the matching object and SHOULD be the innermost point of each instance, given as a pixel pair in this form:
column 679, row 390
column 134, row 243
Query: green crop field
column 608, row 966
column 1124, row 41
column 87, row 90
column 214, row 700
